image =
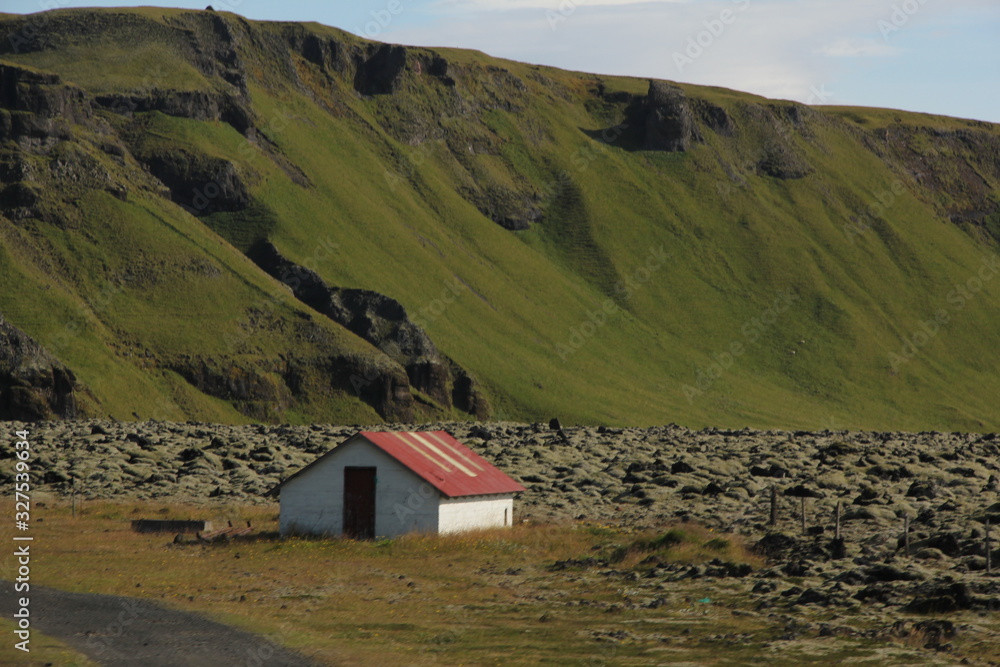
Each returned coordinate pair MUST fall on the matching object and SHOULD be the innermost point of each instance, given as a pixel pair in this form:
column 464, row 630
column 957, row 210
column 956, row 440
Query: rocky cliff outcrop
column 380, row 71
column 201, row 184
column 34, row 385
column 949, row 166
column 326, row 52
column 715, row 117
column 263, row 389
column 212, row 48
column 36, row 106
column 383, row 322
column 669, row 124
column 53, row 144
column 193, row 104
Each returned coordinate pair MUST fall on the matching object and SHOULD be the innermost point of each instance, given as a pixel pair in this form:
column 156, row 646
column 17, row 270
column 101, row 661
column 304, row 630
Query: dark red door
column 359, row 503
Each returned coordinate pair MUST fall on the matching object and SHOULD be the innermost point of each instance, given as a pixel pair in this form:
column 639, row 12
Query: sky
column 934, row 56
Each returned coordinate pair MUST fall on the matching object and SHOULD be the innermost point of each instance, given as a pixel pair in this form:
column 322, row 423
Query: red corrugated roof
column 444, row 462
column 435, row 456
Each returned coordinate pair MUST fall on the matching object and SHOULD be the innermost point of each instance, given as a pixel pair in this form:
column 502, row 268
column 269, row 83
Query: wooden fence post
column 906, row 534
column 836, row 525
column 989, row 556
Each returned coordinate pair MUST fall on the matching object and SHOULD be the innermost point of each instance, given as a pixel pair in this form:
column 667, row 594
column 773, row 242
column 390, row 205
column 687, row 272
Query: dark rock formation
column 380, row 72
column 33, row 384
column 263, row 391
column 327, row 53
column 383, row 322
column 41, row 93
column 387, row 389
column 942, row 598
column 18, row 195
column 250, row 390
column 681, row 467
column 614, row 97
column 201, row 184
column 193, row 104
column 669, row 124
column 715, row 117
column 439, row 67
column 776, row 546
column 922, row 489
column 465, row 393
column 508, row 208
column 781, row 161
column 38, row 104
column 774, row 470
column 802, row 491
column 935, row 632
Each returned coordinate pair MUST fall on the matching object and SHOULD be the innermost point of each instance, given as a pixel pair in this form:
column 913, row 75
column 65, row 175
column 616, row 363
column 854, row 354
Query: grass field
column 402, row 185
column 481, row 598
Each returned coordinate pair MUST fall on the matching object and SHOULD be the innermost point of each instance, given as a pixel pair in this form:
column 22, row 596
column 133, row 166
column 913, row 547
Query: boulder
column 774, row 470
column 941, row 599
column 922, row 490
column 802, row 491
column 669, row 124
column 681, row 467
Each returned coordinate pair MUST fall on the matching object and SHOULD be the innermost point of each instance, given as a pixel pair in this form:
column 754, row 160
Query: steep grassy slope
column 588, row 247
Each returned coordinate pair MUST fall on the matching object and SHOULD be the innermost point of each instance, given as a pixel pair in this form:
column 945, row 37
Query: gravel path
column 115, row 630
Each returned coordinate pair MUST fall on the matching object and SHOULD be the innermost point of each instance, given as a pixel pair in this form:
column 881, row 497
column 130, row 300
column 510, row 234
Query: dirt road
column 114, row 630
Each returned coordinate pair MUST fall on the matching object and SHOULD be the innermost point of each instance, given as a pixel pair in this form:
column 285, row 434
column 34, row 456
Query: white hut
column 391, row 483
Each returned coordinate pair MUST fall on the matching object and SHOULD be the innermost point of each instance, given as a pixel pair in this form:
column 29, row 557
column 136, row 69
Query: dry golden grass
column 687, row 543
column 479, row 598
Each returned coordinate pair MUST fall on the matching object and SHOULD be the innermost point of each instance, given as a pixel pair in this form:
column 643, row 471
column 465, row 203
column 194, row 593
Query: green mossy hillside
column 793, row 266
